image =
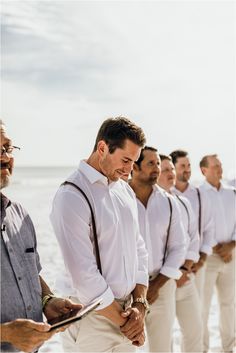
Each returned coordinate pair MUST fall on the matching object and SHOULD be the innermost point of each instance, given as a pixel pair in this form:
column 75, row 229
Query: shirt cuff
column 192, row 255
column 107, row 298
column 206, row 249
column 234, row 237
column 170, row 272
column 142, row 278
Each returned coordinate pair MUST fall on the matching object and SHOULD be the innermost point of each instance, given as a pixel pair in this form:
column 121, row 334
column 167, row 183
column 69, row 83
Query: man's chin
column 4, row 182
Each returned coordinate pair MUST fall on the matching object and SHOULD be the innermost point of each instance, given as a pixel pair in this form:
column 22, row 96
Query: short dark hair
column 204, row 160
column 178, row 154
column 163, row 157
column 141, row 157
column 114, row 131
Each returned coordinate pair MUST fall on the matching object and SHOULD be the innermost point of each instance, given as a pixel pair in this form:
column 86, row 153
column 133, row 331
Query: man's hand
column 196, row 266
column 58, row 306
column 183, row 279
column 26, row 335
column 139, row 340
column 227, row 258
column 224, row 250
column 133, row 329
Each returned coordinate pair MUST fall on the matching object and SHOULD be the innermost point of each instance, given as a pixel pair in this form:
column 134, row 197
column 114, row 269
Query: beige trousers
column 222, row 276
column 189, row 317
column 95, row 333
column 160, row 319
column 200, row 280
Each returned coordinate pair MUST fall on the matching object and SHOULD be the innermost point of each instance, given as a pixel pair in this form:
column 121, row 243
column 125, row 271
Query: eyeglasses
column 9, row 150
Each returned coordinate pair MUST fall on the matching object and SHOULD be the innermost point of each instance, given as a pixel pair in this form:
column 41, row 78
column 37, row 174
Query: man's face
column 120, row 163
column 150, row 168
column 183, row 169
column 213, row 172
column 167, row 177
column 6, row 159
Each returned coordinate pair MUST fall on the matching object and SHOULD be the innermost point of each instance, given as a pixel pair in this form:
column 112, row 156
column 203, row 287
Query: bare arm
column 154, row 287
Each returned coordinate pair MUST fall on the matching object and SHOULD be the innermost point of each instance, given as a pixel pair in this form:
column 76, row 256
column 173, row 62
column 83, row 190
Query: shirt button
column 19, row 278
column 29, row 307
column 10, row 250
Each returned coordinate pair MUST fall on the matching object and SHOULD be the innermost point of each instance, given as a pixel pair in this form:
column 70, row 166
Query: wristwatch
column 142, row 301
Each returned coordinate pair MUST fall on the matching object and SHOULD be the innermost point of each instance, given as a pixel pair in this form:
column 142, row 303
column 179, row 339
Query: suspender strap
column 200, row 212
column 168, row 230
column 93, row 224
column 186, row 208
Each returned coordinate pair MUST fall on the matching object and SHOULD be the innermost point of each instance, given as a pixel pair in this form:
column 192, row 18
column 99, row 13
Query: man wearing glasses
column 24, row 294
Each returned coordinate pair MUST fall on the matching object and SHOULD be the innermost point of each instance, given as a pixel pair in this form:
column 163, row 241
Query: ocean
column 35, row 188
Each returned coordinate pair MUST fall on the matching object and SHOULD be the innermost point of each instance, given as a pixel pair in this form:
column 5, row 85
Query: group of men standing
column 158, row 248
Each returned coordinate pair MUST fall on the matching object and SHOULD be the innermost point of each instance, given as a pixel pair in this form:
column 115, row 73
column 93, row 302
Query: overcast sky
column 168, row 65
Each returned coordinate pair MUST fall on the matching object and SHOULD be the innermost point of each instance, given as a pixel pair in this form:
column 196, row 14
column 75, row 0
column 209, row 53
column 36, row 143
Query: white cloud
column 169, row 65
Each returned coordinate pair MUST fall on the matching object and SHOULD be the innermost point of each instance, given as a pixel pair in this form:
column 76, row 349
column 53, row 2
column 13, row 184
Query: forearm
column 113, row 313
column 203, row 257
column 45, row 288
column 160, row 280
column 140, row 291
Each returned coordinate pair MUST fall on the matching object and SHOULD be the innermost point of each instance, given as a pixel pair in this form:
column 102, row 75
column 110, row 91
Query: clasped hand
column 133, row 329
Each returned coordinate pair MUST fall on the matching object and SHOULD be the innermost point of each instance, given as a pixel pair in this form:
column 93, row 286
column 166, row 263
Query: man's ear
column 203, row 170
column 102, row 148
column 135, row 167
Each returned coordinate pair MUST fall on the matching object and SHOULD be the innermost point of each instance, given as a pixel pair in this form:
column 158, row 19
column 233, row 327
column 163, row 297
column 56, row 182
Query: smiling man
column 118, row 275
column 24, row 294
column 164, row 236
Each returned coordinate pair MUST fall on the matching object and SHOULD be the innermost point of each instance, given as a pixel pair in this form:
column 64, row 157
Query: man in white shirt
column 187, row 298
column 202, row 209
column 159, row 221
column 220, row 266
column 123, row 274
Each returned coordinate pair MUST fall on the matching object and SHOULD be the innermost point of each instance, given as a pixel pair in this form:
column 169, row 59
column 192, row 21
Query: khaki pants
column 95, row 333
column 200, row 280
column 189, row 317
column 222, row 276
column 160, row 319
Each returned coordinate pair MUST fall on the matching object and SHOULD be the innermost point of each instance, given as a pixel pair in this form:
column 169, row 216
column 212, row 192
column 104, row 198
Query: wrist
column 6, row 332
column 203, row 257
column 46, row 299
column 141, row 302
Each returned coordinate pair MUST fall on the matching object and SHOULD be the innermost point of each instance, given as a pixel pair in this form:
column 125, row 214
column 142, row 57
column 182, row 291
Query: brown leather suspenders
column 93, row 224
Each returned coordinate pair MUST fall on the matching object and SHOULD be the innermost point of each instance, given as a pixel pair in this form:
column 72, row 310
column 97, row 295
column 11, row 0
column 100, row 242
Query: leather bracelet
column 184, row 268
column 46, row 299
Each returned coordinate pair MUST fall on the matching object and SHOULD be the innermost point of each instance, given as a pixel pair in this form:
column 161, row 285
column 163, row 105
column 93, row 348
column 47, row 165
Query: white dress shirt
column 191, row 228
column 207, row 224
column 153, row 222
column 122, row 250
column 223, row 203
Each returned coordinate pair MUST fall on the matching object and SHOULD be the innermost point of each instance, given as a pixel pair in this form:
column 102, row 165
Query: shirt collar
column 208, row 186
column 5, row 202
column 92, row 174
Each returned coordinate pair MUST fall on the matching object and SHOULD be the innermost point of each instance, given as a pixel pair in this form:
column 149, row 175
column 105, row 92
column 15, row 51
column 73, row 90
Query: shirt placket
column 19, row 275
